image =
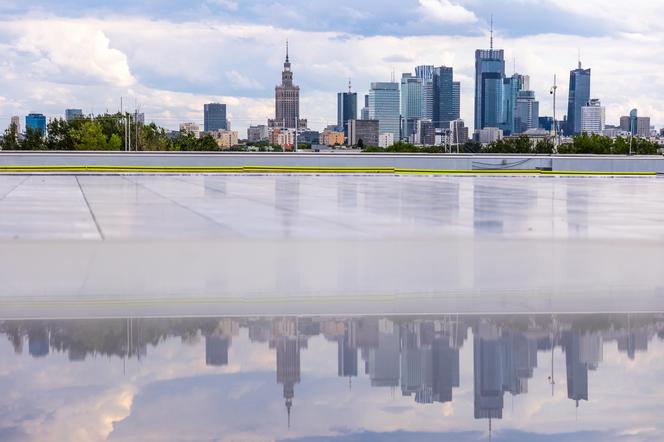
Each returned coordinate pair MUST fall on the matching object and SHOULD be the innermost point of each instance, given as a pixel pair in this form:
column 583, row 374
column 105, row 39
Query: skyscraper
column 287, row 99
column 364, row 113
column 489, row 74
column 71, row 114
column 411, row 104
column 16, row 122
column 214, row 117
column 526, row 112
column 456, row 100
column 443, row 97
column 511, row 87
column 579, row 95
column 36, row 122
column 425, row 73
column 384, row 106
column 593, row 117
column 346, row 108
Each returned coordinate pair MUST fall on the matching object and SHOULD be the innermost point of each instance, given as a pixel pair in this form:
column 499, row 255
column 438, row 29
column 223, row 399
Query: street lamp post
column 554, row 89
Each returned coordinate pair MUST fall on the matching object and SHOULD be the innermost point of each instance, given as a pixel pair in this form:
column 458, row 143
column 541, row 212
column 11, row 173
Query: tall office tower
column 593, row 117
column 579, row 95
column 36, row 122
column 364, row 113
column 384, row 103
column 637, row 126
column 443, row 97
column 16, row 122
column 411, row 104
column 425, row 72
column 72, row 114
column 346, row 108
column 511, row 88
column 489, row 74
column 456, row 99
column 214, row 117
column 526, row 112
column 287, row 99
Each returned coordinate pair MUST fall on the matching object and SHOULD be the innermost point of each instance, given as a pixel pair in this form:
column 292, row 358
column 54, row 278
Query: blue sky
column 169, row 57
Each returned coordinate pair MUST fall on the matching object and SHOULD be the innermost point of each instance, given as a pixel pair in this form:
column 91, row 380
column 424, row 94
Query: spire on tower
column 287, row 51
column 580, row 58
column 491, row 41
column 349, row 85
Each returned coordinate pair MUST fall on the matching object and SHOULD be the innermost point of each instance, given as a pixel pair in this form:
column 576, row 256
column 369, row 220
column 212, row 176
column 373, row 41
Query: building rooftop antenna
column 287, row 51
column 491, row 41
column 579, row 58
column 349, row 85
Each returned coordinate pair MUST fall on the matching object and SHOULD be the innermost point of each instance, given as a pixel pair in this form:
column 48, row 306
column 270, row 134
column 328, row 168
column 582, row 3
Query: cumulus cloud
column 73, row 50
column 444, row 11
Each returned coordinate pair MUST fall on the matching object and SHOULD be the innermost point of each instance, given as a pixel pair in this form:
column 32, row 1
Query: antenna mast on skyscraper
column 579, row 58
column 491, row 42
column 286, row 50
column 349, row 85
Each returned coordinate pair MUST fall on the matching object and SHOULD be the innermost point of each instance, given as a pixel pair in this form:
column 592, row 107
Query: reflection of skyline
column 419, row 356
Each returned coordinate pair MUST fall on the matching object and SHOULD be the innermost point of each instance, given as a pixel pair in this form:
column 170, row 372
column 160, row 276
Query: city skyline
column 49, row 78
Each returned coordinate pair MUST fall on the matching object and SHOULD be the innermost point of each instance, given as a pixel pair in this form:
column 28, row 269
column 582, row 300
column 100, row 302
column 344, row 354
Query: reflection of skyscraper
column 445, row 372
column 38, row 345
column 288, row 362
column 488, row 373
column 577, row 371
column 216, row 350
column 347, row 352
column 384, row 359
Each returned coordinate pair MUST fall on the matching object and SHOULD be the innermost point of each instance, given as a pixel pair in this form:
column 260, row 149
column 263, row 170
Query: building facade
column 488, row 135
column 489, row 74
column 332, row 138
column 526, row 112
column 593, row 117
column 364, row 113
column 511, row 88
column 215, row 117
column 225, row 138
column 384, row 106
column 426, row 133
column 191, row 128
column 72, row 114
column 287, row 99
column 385, row 139
column 579, row 95
column 36, row 122
column 365, row 130
column 258, row 133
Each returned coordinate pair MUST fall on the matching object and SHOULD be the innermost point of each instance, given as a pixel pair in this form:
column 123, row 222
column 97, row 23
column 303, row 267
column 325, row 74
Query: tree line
column 103, row 132
column 581, row 144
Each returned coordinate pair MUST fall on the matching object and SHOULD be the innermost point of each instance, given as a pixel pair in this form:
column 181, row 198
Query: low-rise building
column 488, row 135
column 258, row 133
column 191, row 128
column 363, row 130
column 225, row 138
column 285, row 138
column 332, row 137
column 593, row 116
column 385, row 139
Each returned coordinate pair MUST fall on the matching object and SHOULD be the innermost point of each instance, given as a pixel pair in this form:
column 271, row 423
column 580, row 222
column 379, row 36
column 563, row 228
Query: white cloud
column 242, row 81
column 70, row 49
column 229, row 5
column 444, row 11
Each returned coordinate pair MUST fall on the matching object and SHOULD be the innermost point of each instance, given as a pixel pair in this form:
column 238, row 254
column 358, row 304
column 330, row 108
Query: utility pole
column 554, row 89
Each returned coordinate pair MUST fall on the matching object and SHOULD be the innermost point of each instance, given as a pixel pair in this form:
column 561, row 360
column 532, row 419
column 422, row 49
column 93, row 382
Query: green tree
column 207, row 143
column 33, row 140
column 544, row 146
column 89, row 136
column 154, row 138
column 59, row 135
column 114, row 143
column 10, row 139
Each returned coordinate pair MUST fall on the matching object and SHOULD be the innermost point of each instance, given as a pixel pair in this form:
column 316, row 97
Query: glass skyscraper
column 411, row 103
column 384, row 104
column 215, row 117
column 579, row 95
column 36, row 122
column 443, row 97
column 72, row 114
column 511, row 87
column 425, row 72
column 346, row 109
column 489, row 74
